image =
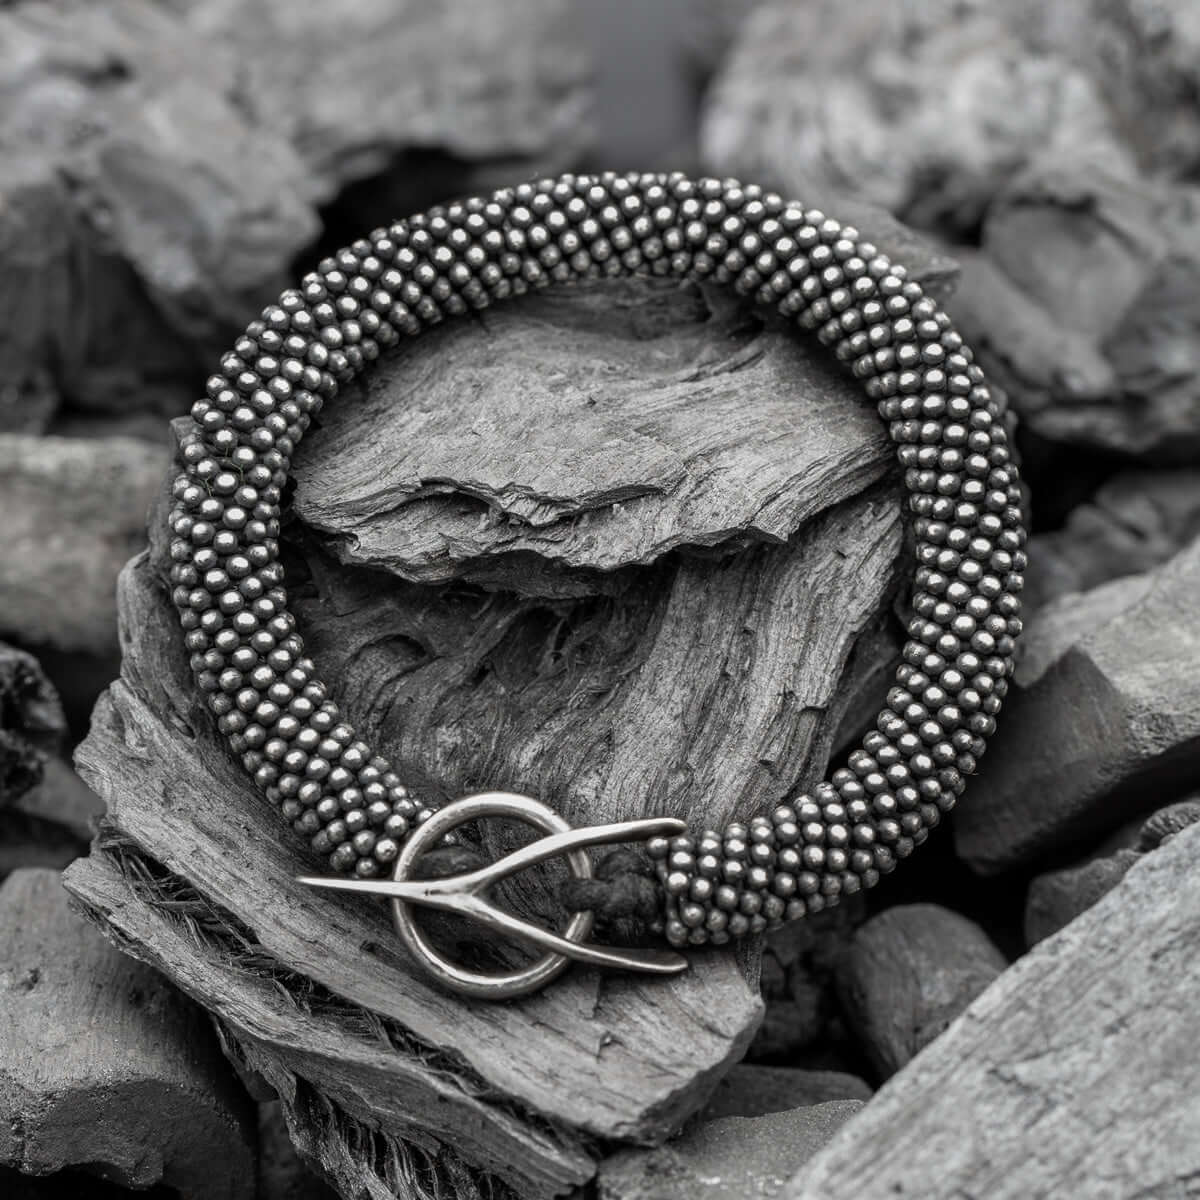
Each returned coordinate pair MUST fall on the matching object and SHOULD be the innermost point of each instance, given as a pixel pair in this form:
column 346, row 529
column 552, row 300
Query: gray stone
column 1073, row 1074
column 727, row 1159
column 1133, row 523
column 1084, row 307
column 1103, row 721
column 103, row 1066
column 74, row 513
column 32, row 724
column 908, row 973
column 751, row 1091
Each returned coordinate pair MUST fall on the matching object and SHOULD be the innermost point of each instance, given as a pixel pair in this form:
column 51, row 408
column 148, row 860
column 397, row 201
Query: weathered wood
column 1103, row 723
column 103, row 1066
column 726, row 1159
column 31, row 723
column 907, row 974
column 74, row 512
column 1075, row 1070
column 701, row 684
column 601, row 434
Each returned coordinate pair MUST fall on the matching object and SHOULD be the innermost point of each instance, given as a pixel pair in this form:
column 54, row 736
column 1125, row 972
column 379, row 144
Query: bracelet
column 248, row 658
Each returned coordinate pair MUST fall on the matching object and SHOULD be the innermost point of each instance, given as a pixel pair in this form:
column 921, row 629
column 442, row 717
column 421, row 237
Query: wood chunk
column 705, row 685
column 282, row 1174
column 1134, row 522
column 614, row 422
column 907, row 974
column 74, row 513
column 1084, row 1050
column 752, row 1091
column 103, row 1066
column 62, row 799
column 1103, row 722
column 726, row 1159
column 32, row 723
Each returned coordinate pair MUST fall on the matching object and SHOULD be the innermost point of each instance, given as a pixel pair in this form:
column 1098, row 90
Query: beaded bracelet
column 248, row 658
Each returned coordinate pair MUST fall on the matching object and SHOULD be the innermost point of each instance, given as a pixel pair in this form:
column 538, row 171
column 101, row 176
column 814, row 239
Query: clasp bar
column 467, row 895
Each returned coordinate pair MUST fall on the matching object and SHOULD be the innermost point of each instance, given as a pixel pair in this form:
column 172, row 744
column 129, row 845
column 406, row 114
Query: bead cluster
column 248, row 657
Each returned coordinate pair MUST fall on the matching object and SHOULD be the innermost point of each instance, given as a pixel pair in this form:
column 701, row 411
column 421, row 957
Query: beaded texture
column 248, row 658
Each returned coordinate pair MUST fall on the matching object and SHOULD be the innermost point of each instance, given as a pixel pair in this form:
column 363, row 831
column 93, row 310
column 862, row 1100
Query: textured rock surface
column 161, row 169
column 752, row 1091
column 31, row 722
column 928, row 108
column 51, row 823
column 1103, row 723
column 1134, row 522
column 907, row 974
column 103, row 1066
column 1029, row 1092
column 74, row 513
column 726, row 1159
column 1057, row 897
column 705, row 684
column 1085, row 306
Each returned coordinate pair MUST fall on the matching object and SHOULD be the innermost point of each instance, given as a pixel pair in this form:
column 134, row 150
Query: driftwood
column 707, row 683
column 161, row 170
column 74, row 512
column 103, row 1066
column 1075, row 1071
column 907, row 974
column 1103, row 723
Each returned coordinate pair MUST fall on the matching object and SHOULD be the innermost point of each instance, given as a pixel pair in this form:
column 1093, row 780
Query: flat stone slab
column 1076, row 1070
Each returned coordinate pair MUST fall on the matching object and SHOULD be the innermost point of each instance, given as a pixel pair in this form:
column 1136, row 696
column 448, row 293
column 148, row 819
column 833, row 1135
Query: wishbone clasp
column 465, row 894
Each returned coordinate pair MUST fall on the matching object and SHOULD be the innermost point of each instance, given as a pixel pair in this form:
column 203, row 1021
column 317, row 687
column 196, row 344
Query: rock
column 1057, row 897
column 32, row 723
column 1103, row 721
column 823, row 96
column 103, row 1066
column 63, row 799
column 819, row 97
column 1133, row 523
column 726, row 1159
column 798, row 986
column 355, row 91
column 50, row 824
column 1084, row 306
column 162, row 164
column 74, row 513
column 676, row 686
column 907, row 974
column 752, row 1091
column 282, row 1174
column 1073, row 1074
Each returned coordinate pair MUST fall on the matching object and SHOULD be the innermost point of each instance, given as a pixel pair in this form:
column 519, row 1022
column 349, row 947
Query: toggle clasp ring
column 466, row 895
